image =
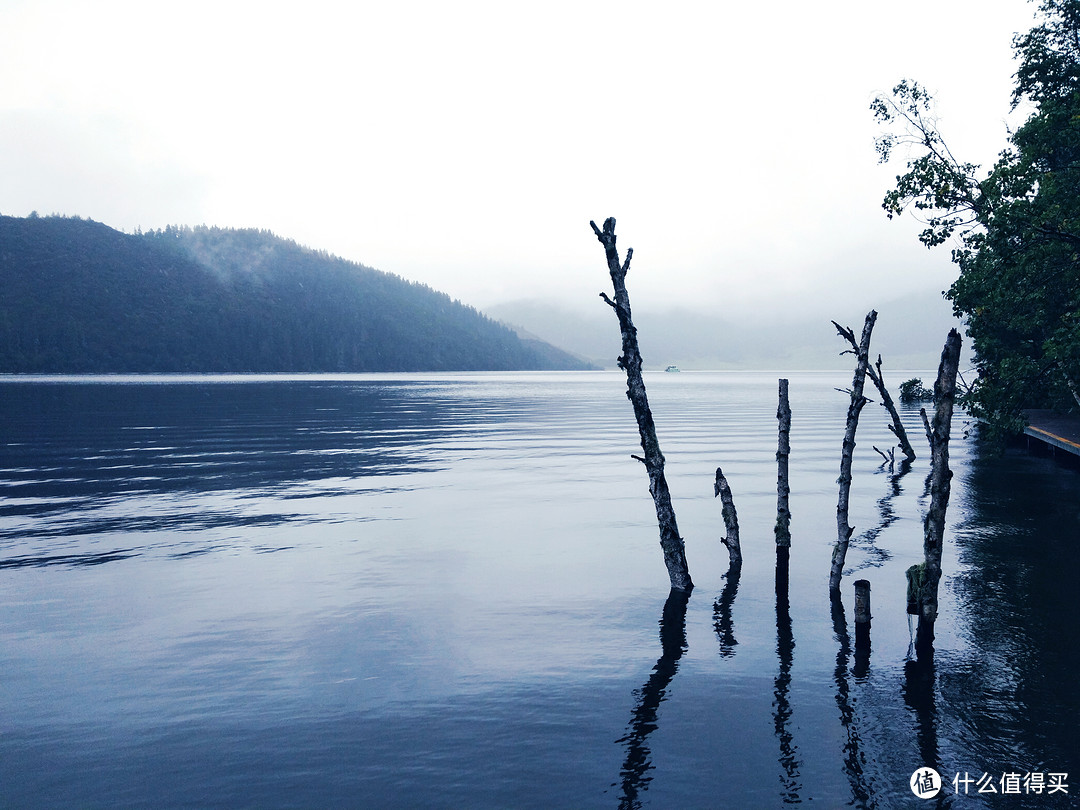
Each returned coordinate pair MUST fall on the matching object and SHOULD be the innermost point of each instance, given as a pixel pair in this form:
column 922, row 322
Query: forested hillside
column 78, row 296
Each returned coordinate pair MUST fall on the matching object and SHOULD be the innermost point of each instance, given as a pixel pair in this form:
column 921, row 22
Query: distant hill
column 77, row 296
column 909, row 334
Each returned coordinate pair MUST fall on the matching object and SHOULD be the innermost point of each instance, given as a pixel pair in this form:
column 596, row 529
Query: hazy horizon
column 909, row 333
column 467, row 147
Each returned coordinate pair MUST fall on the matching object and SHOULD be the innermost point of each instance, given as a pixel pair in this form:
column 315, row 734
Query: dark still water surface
column 448, row 591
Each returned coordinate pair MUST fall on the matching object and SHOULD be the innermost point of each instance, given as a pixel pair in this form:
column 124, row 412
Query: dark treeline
column 78, row 296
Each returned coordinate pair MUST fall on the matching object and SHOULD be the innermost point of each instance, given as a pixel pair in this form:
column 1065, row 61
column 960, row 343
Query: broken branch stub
column 630, row 361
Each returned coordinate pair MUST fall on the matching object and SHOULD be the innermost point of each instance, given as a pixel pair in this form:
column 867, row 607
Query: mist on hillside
column 909, row 333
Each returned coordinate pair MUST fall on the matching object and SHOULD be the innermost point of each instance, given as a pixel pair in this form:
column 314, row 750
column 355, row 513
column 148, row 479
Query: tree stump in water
column 630, row 361
column 937, row 433
column 783, row 488
column 731, row 519
column 843, row 530
column 862, row 614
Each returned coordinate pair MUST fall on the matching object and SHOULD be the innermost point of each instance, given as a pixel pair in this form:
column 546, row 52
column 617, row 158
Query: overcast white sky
column 467, row 145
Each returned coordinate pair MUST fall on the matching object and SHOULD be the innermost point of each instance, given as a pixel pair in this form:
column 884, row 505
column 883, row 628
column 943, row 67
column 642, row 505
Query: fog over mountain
column 909, row 333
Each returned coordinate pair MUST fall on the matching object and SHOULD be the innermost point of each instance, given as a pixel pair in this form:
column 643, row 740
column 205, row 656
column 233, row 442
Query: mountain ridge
column 81, row 297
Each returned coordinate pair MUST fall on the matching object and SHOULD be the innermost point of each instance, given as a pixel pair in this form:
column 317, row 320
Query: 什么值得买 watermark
column 926, row 783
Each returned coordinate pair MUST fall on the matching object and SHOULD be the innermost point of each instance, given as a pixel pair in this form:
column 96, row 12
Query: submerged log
column 937, row 432
column 843, row 530
column 783, row 488
column 731, row 519
column 887, row 458
column 630, row 361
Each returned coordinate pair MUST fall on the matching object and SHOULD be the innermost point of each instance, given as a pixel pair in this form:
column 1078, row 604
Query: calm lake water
column 448, row 591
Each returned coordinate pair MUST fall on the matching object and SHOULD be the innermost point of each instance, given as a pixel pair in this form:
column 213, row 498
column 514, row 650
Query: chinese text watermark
column 926, row 783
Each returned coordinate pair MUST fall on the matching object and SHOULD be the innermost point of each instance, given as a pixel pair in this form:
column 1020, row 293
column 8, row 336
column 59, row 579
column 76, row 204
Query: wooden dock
column 1058, row 431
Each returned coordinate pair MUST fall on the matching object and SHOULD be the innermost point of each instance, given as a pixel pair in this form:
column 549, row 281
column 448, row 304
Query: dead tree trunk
column 874, row 372
column 937, row 432
column 843, row 530
column 731, row 520
column 783, row 488
column 630, row 362
column 897, row 426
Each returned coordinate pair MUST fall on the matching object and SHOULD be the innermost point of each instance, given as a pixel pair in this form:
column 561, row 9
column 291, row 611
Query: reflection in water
column 1019, row 544
column 785, row 651
column 45, row 560
column 854, row 759
column 875, row 555
column 216, row 674
column 636, row 766
column 85, row 462
column 918, row 691
column 722, row 622
column 197, row 438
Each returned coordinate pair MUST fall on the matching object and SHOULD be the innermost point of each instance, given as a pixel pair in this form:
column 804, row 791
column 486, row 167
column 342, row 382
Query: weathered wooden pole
column 862, row 629
column 916, row 574
column 862, row 614
column 731, row 519
column 783, row 488
column 937, row 433
column 843, row 530
column 630, row 361
column 874, row 372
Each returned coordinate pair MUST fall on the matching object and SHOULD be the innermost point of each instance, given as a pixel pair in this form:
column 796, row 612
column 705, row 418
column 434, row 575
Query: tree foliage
column 1015, row 228
column 913, row 390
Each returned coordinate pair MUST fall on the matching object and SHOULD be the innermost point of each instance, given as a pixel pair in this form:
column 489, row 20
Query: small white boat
column 672, row 368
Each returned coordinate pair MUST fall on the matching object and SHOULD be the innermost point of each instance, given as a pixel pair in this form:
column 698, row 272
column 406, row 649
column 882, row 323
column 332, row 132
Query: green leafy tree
column 914, row 391
column 1015, row 228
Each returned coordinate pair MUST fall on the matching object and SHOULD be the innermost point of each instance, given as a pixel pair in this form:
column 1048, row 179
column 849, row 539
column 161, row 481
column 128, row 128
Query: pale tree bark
column 876, row 377
column 670, row 541
column 843, row 530
column 1069, row 382
column 783, row 487
column 937, row 432
column 731, row 519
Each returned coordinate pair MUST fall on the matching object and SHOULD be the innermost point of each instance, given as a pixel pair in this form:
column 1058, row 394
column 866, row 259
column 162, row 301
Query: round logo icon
column 925, row 783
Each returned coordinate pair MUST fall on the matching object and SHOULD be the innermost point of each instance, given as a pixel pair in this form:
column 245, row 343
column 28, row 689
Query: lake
column 448, row 591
